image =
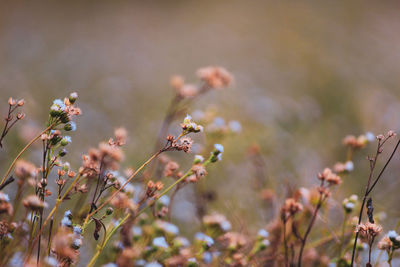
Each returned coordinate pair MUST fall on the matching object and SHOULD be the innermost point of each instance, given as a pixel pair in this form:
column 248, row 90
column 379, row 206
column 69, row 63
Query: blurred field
column 306, row 75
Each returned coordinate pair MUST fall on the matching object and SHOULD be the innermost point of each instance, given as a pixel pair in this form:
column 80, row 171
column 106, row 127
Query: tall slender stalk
column 370, row 187
column 109, row 235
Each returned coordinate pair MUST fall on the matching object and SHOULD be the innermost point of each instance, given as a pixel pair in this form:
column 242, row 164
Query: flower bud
column 21, row 103
column 72, row 97
column 62, row 152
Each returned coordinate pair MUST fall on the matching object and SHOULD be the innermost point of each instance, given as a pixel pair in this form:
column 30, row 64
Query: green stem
column 101, row 248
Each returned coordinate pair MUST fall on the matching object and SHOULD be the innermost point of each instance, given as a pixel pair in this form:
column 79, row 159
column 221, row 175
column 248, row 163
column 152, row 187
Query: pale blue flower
column 110, row 264
column 370, row 136
column 164, row 200
column 219, row 148
column 153, row 264
column 4, row 197
column 182, row 241
column 77, row 243
column 225, row 226
column 204, row 238
column 66, row 222
column 207, row 257
column 160, row 242
column 392, row 234
column 137, row 231
column 199, row 158
column 51, row 261
column 235, row 126
column 167, row 227
column 59, row 103
column 219, row 122
column 140, row 262
column 77, row 230
column 349, row 166
column 263, row 233
column 67, row 138
column 68, row 214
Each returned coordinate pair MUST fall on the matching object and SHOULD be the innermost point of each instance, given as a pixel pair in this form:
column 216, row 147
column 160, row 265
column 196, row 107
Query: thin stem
column 304, row 239
column 119, row 190
column 23, row 150
column 100, row 248
column 285, row 246
column 369, row 189
column 58, row 202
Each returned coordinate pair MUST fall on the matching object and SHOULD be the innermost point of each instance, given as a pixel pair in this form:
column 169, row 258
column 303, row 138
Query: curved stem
column 100, row 248
column 23, row 150
column 59, row 201
column 119, row 190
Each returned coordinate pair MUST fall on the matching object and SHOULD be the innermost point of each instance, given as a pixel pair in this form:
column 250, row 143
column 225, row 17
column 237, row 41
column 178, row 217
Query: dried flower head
column 33, row 202
column 215, row 77
column 24, row 169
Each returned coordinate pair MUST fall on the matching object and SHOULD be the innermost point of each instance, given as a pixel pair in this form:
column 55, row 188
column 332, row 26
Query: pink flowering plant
column 107, row 212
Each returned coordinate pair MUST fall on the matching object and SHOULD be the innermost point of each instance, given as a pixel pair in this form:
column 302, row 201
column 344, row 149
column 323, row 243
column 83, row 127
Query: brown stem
column 304, row 239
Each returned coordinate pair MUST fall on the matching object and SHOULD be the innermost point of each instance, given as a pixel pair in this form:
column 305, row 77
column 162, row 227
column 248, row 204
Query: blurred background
column 306, row 75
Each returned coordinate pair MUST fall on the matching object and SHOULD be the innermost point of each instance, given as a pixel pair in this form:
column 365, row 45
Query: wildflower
column 330, row 177
column 263, row 233
column 121, row 135
column 198, row 159
column 68, row 214
column 136, row 231
column 207, row 257
column 290, row 208
column 33, row 202
column 12, row 101
column 24, row 169
column 369, row 229
column 160, row 242
column 188, row 91
column 167, row 227
column 21, row 102
column 199, row 170
column 233, row 240
column 20, row 116
column 65, row 140
column 208, row 241
column 5, row 206
column 385, row 244
column 177, row 82
column 192, row 262
column 349, row 166
column 215, row 77
column 219, row 148
column 153, row 264
column 170, row 168
column 73, row 97
column 70, row 126
column 189, row 126
column 66, row 222
column 235, row 126
column 185, row 144
column 164, row 200
column 77, row 230
column 218, row 220
column 181, row 242
column 77, row 243
column 370, row 136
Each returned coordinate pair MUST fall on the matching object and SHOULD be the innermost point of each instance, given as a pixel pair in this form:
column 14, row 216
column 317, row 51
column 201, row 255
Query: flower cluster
column 13, row 105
